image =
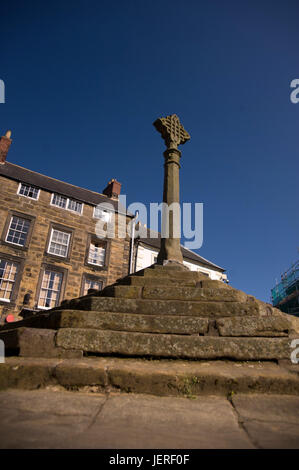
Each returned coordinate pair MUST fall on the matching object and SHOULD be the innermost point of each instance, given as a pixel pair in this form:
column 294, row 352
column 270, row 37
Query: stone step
column 172, row 324
column 38, row 320
column 34, row 342
column 171, row 273
column 128, row 322
column 255, row 326
column 156, row 281
column 175, row 293
column 156, row 377
column 160, row 281
column 173, row 346
column 162, row 307
column 270, row 326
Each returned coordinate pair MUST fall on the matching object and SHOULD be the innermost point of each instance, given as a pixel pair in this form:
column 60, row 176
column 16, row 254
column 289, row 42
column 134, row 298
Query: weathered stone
column 213, row 284
column 253, row 326
column 271, row 421
column 34, row 342
column 163, row 307
column 189, row 293
column 192, row 378
column 35, row 321
column 157, row 281
column 128, row 322
column 77, row 373
column 173, row 134
column 27, row 373
column 157, row 377
column 265, row 309
column 294, row 324
column 161, row 345
column 126, row 292
column 167, row 272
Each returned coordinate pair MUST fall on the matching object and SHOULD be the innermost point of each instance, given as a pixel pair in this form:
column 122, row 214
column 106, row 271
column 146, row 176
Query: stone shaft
column 173, row 134
column 171, row 222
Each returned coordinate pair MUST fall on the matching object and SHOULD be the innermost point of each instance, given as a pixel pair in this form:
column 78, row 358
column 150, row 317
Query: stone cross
column 173, row 134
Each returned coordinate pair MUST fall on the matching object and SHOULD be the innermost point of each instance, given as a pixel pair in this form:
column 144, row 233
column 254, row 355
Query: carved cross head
column 172, row 131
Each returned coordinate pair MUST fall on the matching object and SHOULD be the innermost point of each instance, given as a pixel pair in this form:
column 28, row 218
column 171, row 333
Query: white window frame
column 50, row 241
column 2, row 299
column 67, row 203
column 55, row 205
column 59, row 294
column 96, row 264
column 9, row 227
column 90, row 279
column 105, row 211
column 28, row 197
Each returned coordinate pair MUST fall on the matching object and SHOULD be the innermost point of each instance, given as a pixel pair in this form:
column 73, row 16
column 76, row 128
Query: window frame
column 9, row 228
column 93, row 242
column 91, row 238
column 15, row 290
column 98, row 218
column 50, row 267
column 60, row 228
column 7, row 225
column 67, row 245
column 68, row 199
column 31, row 186
column 87, row 276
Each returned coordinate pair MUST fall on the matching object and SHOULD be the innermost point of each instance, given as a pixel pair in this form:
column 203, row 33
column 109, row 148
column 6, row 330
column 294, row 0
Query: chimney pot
column 5, row 142
column 112, row 189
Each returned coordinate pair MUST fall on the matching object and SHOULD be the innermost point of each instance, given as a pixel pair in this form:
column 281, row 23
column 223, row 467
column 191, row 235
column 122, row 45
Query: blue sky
column 86, row 79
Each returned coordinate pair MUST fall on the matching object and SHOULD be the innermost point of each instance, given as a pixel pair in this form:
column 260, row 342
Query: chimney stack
column 5, row 142
column 112, row 189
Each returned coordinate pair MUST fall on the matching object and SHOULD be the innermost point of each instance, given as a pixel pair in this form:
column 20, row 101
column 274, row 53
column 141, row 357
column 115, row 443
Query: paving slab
column 44, row 419
column 55, row 419
column 138, row 421
column 271, row 421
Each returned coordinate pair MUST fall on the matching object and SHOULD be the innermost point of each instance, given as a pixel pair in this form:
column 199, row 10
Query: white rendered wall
column 147, row 256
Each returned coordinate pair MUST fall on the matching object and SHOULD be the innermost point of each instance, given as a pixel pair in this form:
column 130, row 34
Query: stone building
column 48, row 247
column 49, row 250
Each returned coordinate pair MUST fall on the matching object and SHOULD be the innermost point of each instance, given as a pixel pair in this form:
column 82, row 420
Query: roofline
column 209, row 263
column 85, row 201
column 54, row 179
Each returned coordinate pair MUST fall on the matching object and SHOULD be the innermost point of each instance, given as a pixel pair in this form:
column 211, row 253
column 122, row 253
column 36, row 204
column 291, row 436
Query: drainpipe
column 132, row 242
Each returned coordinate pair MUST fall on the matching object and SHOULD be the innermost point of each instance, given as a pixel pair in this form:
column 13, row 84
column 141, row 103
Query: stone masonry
column 32, row 257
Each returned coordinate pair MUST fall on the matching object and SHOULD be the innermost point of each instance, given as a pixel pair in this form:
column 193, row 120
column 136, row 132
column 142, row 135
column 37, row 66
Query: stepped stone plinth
column 161, row 311
column 155, row 330
column 159, row 314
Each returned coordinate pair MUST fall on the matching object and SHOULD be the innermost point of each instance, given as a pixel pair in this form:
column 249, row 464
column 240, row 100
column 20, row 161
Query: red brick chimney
column 112, row 189
column 5, row 142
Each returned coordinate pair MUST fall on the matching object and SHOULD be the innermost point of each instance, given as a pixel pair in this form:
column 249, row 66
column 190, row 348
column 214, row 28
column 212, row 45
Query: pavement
column 53, row 418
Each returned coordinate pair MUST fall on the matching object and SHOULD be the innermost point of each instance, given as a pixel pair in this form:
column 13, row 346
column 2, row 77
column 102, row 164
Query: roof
column 18, row 173
column 188, row 255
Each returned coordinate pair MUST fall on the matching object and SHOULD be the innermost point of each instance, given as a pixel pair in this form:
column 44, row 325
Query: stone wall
column 34, row 256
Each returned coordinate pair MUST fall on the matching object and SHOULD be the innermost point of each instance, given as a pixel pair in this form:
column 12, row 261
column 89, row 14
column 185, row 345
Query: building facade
column 146, row 250
column 49, row 250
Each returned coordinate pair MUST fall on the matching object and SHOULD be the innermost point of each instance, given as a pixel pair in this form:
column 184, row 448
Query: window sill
column 14, row 246
column 8, row 303
column 95, row 267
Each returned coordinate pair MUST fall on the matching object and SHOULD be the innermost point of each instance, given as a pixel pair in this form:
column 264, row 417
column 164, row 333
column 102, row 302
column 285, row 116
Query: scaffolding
column 285, row 295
